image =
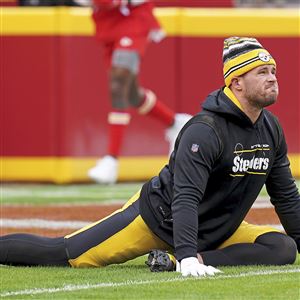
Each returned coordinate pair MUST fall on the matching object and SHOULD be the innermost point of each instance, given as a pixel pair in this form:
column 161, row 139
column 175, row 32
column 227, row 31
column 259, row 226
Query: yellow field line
column 74, row 169
column 190, row 22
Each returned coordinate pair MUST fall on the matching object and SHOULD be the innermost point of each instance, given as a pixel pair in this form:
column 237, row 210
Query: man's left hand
column 190, row 266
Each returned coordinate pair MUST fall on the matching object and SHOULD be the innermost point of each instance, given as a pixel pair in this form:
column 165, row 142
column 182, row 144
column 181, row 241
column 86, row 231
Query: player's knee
column 288, row 250
column 283, row 248
column 4, row 247
column 136, row 96
column 119, row 87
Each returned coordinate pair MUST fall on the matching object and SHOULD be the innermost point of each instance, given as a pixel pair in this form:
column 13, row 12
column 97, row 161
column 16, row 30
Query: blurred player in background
column 125, row 28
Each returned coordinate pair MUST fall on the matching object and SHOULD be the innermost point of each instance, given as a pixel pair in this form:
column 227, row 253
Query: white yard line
column 62, row 204
column 71, row 288
column 107, row 196
column 41, row 223
column 51, row 224
column 262, row 202
column 60, row 192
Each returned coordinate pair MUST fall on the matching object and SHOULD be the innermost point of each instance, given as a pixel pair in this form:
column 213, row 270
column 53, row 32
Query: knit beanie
column 242, row 54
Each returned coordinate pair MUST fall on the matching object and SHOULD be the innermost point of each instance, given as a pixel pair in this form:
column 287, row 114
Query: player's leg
column 124, row 67
column 32, row 250
column 119, row 116
column 253, row 245
column 121, row 74
column 151, row 106
column 249, row 245
column 115, row 239
column 148, row 104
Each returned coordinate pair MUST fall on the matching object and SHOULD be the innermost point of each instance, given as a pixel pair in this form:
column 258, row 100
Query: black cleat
column 159, row 261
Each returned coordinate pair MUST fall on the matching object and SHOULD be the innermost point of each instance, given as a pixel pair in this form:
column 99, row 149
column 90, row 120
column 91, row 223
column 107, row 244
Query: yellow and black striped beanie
column 242, row 54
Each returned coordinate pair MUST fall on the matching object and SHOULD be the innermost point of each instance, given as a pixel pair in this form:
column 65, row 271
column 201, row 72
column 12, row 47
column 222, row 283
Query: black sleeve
column 197, row 152
column 284, row 194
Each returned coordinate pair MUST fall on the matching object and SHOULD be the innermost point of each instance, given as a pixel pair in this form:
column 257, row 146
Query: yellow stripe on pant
column 133, row 240
column 247, row 233
column 124, row 235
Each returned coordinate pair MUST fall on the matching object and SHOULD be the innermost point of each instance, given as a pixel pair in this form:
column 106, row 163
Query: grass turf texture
column 41, row 194
column 132, row 280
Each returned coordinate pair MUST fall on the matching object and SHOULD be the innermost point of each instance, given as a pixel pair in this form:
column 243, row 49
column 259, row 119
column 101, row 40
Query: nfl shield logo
column 195, row 147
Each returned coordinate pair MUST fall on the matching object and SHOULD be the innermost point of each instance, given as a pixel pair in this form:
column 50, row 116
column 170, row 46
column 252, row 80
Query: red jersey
column 114, row 19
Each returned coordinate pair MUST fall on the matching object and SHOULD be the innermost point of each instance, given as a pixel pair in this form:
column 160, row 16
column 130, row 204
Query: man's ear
column 236, row 83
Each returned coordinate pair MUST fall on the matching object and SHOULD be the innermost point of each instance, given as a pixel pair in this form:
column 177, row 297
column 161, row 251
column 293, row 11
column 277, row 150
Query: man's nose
column 272, row 77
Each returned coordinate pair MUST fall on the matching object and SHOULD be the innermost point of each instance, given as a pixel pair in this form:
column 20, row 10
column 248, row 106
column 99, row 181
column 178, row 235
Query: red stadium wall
column 55, row 92
column 54, row 95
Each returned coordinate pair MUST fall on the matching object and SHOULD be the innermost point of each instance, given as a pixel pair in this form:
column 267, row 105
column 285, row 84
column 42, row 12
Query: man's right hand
column 190, row 266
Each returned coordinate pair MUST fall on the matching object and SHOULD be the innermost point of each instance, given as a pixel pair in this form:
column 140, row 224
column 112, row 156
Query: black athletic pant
column 272, row 248
column 32, row 250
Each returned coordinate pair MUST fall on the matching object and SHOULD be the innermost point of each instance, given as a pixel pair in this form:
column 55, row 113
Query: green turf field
column 39, row 194
column 132, row 280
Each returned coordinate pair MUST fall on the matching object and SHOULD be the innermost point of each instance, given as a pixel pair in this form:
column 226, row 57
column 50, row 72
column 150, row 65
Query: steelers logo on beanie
column 242, row 54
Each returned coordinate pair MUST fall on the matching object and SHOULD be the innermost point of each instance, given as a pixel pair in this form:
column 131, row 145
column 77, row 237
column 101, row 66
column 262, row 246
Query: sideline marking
column 41, row 223
column 72, row 224
column 262, row 202
column 106, row 197
column 70, row 288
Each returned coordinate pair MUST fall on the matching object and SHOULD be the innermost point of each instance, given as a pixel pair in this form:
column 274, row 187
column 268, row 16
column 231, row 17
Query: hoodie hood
column 218, row 102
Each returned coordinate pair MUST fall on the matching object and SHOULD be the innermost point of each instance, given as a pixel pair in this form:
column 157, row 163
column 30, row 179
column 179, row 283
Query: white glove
column 156, row 35
column 191, row 266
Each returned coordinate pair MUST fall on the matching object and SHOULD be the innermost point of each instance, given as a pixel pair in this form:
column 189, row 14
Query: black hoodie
column 220, row 163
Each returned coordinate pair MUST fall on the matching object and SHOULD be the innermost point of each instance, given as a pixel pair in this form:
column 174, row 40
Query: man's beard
column 259, row 101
